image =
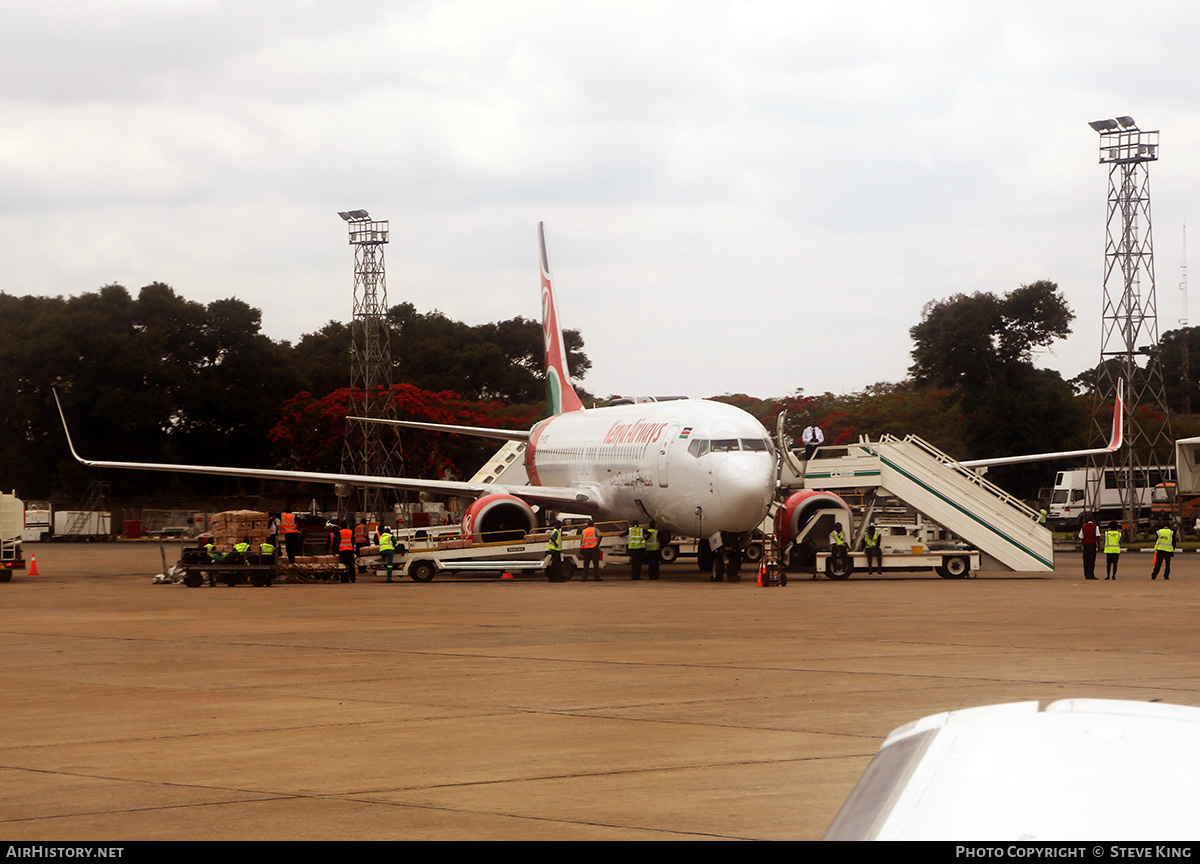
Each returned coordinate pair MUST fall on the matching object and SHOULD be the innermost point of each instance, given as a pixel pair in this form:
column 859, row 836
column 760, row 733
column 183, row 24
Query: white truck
column 12, row 524
column 1069, row 500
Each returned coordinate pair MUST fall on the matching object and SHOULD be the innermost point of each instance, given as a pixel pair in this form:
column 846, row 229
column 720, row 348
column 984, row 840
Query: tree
column 979, row 348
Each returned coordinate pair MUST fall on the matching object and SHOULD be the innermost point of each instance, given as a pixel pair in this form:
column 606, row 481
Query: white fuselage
column 694, row 466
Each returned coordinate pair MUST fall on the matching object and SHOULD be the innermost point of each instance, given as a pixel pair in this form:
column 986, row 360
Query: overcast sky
column 739, row 196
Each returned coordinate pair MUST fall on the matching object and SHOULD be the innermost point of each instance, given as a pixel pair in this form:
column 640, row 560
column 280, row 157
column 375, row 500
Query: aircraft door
column 664, row 446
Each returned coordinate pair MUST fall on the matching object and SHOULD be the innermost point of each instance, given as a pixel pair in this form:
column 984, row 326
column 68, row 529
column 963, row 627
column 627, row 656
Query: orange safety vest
column 360, row 535
column 347, row 541
column 289, row 523
column 591, row 538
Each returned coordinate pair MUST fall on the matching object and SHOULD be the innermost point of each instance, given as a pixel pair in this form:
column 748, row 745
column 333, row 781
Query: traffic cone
column 762, row 571
column 33, row 571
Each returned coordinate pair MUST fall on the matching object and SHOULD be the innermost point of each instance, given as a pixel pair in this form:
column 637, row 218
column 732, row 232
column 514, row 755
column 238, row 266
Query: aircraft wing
column 581, row 499
column 477, row 431
column 1115, row 441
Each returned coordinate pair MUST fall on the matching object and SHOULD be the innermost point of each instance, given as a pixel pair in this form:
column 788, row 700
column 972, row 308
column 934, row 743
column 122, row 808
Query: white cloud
column 740, row 196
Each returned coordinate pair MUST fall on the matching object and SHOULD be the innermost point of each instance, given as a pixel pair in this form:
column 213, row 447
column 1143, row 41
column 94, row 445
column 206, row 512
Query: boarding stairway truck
column 12, row 524
column 959, row 520
column 421, row 559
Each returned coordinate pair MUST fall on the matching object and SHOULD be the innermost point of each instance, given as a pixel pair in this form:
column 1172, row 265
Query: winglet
column 560, row 394
column 71, row 446
column 1118, row 428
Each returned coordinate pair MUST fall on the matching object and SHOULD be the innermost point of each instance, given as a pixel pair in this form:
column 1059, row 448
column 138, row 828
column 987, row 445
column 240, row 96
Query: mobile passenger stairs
column 932, row 512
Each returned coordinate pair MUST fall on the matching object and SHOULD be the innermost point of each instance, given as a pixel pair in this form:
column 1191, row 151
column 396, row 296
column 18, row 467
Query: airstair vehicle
column 933, row 512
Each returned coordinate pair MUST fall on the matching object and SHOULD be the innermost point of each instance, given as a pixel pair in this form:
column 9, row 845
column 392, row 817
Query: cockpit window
column 700, row 446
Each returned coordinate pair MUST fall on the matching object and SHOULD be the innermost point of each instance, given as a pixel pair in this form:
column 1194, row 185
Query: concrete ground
column 482, row 709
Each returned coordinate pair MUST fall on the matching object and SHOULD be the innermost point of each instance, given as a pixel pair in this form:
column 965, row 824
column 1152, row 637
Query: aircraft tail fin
column 560, row 394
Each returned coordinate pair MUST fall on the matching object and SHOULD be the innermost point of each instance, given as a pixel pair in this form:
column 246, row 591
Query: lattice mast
column 370, row 448
column 1183, row 322
column 1129, row 328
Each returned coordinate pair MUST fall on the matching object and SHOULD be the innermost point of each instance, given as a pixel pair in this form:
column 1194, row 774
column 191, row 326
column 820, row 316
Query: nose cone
column 745, row 482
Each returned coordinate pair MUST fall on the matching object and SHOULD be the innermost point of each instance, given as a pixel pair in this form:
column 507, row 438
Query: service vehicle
column 1069, row 500
column 421, row 559
column 12, row 524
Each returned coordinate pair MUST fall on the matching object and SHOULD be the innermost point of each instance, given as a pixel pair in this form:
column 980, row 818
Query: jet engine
column 498, row 517
column 792, row 519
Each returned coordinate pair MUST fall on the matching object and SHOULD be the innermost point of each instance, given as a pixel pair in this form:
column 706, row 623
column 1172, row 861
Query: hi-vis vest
column 555, row 540
column 347, row 544
column 872, row 540
column 591, row 538
column 636, row 539
column 1112, row 542
column 241, row 547
column 266, row 549
column 837, row 538
column 288, row 524
column 360, row 535
column 385, row 542
column 651, row 539
column 1164, row 544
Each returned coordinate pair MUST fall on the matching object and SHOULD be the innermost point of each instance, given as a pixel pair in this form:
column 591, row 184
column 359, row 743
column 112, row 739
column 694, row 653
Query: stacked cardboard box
column 234, row 526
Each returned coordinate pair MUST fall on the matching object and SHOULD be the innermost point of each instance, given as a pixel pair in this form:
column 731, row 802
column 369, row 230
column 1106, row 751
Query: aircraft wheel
column 754, row 552
column 422, row 571
column 668, row 554
column 704, row 557
column 956, row 567
column 837, row 569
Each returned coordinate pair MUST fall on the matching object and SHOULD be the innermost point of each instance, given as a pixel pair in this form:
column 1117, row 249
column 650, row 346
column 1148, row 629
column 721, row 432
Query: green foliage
column 158, row 378
column 979, row 347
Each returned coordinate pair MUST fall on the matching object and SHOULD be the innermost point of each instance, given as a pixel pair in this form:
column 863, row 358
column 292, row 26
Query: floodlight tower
column 371, row 448
column 1129, row 330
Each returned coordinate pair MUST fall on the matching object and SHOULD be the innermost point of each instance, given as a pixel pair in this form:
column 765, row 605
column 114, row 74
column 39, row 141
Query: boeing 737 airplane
column 694, row 466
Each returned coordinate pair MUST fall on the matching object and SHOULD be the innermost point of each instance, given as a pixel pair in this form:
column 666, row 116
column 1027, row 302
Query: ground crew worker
column 1041, row 520
column 266, row 552
column 589, row 549
column 554, row 571
column 346, row 553
column 874, row 551
column 637, row 551
column 838, row 550
column 240, row 550
column 652, row 549
column 1112, row 550
column 1088, row 535
column 387, row 548
column 215, row 557
column 1164, row 550
column 360, row 541
column 291, row 535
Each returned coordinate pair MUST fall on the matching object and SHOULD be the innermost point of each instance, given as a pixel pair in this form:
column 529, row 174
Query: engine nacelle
column 800, row 507
column 498, row 517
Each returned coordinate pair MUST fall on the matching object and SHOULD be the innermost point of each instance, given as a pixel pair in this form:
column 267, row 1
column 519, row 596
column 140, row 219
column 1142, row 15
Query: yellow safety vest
column 1163, row 543
column 1112, row 542
column 636, row 538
